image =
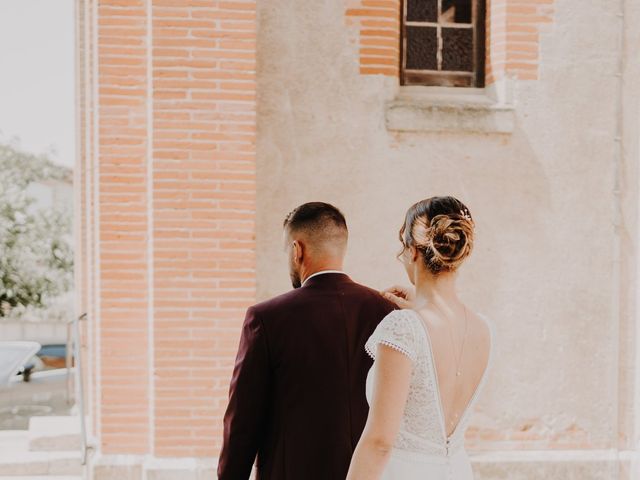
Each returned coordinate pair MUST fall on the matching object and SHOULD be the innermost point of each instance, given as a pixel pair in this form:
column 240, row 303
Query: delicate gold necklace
column 464, row 338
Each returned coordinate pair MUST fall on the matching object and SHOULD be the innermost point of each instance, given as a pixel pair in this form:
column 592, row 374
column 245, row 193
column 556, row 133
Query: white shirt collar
column 322, row 272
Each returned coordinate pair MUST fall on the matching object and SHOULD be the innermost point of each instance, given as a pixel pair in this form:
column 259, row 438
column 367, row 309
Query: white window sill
column 441, row 109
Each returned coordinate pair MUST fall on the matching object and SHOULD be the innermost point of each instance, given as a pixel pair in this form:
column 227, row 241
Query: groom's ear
column 298, row 251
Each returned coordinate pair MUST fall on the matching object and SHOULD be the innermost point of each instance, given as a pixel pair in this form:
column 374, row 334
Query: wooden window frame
column 443, row 78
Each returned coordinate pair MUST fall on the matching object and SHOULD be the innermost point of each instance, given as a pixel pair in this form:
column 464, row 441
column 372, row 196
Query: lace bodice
column 422, row 429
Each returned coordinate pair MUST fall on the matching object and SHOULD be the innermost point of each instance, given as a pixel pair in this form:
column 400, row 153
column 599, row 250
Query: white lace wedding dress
column 422, row 449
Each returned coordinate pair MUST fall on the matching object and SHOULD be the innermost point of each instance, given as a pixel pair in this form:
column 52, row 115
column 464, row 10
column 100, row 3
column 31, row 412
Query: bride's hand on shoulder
column 402, row 296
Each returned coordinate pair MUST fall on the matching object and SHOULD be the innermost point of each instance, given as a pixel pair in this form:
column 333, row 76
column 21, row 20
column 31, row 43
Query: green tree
column 36, row 258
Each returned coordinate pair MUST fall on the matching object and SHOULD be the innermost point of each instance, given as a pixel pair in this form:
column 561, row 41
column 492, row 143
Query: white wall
column 546, row 267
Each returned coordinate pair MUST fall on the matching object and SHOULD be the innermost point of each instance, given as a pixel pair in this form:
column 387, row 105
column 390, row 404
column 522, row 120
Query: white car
column 26, row 392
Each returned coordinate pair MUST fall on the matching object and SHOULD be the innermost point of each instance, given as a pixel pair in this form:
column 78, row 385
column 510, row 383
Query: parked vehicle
column 33, row 381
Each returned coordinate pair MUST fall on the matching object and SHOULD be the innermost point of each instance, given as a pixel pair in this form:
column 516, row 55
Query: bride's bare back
column 460, row 347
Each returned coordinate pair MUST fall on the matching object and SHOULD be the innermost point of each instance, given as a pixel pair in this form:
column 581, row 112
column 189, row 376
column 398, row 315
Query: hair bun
column 442, row 230
column 451, row 239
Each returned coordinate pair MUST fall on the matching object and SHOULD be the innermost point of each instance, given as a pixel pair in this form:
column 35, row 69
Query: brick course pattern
column 172, row 92
column 513, row 37
column 124, row 285
column 378, row 26
column 204, row 207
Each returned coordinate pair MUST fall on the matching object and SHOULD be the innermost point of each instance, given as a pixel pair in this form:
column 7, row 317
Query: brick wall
column 173, row 222
column 378, row 25
column 124, row 284
column 513, row 37
column 203, row 210
column 512, row 44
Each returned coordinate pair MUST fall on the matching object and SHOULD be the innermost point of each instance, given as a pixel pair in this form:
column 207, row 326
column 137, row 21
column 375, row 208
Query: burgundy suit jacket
column 297, row 396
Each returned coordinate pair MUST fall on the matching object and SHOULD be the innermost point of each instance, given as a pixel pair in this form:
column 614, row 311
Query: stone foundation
column 505, row 465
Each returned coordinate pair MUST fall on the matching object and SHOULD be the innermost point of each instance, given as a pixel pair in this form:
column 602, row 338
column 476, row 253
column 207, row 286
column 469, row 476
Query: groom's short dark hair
column 315, row 216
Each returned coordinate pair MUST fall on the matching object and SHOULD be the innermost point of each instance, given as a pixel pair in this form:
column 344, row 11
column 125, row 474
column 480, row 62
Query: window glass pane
column 456, row 11
column 457, row 49
column 422, row 10
column 422, row 48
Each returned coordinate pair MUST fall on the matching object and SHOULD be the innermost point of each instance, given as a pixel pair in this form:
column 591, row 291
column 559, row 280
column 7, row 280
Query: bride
column 430, row 357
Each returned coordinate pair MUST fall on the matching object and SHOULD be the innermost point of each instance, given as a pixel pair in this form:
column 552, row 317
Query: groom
column 297, row 396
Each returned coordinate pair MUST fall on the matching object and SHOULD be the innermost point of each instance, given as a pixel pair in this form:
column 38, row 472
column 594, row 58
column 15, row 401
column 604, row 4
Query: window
column 443, row 43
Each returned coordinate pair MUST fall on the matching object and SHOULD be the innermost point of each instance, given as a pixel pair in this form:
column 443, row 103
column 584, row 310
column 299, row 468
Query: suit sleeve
column 244, row 419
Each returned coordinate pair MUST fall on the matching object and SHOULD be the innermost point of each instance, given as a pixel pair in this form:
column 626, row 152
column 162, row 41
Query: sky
column 37, row 77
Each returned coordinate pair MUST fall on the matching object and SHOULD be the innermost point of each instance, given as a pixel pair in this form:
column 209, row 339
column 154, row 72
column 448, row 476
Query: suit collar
column 326, row 278
column 321, row 272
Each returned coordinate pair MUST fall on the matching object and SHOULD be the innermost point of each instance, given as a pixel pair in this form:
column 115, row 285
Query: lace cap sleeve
column 397, row 330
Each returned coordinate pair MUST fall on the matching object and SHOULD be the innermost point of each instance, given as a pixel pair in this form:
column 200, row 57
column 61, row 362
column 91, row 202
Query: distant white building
column 53, row 193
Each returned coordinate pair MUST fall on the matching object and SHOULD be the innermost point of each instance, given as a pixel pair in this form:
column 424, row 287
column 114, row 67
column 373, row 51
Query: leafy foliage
column 36, row 257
